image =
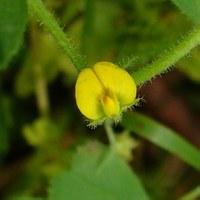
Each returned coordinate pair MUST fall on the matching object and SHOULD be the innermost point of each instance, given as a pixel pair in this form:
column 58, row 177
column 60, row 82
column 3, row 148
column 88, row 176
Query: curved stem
column 46, row 18
column 110, row 134
column 169, row 58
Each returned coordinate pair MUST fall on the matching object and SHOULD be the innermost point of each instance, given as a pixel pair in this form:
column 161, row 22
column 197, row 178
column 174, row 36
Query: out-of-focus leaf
column 163, row 137
column 102, row 36
column 190, row 7
column 190, row 66
column 51, row 63
column 192, row 195
column 13, row 16
column 125, row 144
column 42, row 131
column 97, row 174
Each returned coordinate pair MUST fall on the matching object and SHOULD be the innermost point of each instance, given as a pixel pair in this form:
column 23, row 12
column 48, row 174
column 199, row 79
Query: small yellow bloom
column 104, row 90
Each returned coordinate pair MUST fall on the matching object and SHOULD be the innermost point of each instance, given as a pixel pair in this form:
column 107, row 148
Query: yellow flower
column 104, row 91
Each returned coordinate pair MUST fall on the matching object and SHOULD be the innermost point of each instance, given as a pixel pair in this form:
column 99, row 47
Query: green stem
column 41, row 89
column 46, row 18
column 110, row 134
column 169, row 58
column 88, row 27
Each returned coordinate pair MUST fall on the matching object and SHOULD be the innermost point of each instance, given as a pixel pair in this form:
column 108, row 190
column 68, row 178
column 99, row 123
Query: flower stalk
column 110, row 134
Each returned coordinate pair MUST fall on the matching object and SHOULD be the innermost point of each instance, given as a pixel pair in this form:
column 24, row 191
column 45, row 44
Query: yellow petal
column 116, row 80
column 88, row 91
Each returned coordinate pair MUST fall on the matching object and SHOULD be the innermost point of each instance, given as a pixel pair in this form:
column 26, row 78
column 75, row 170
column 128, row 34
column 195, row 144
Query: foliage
column 191, row 9
column 95, row 173
column 12, row 28
column 164, row 138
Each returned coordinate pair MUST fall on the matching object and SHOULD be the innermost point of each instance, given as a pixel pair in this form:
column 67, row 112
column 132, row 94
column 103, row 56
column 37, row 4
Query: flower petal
column 88, row 90
column 117, row 80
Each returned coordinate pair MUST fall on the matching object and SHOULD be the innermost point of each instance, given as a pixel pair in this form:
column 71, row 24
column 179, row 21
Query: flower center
column 110, row 103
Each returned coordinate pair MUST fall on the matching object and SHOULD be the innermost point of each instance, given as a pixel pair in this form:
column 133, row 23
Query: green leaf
column 190, row 7
column 13, row 16
column 97, row 174
column 190, row 66
column 163, row 137
column 192, row 195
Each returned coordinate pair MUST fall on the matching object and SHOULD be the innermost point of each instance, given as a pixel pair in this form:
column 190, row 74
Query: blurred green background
column 40, row 125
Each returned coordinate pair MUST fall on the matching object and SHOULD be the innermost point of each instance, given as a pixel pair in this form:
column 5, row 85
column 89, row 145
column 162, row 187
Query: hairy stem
column 168, row 58
column 37, row 8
